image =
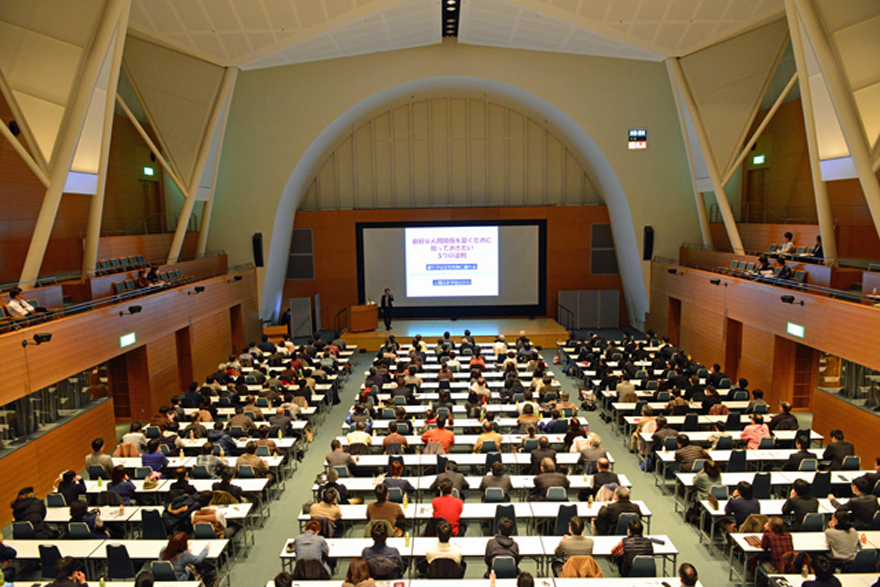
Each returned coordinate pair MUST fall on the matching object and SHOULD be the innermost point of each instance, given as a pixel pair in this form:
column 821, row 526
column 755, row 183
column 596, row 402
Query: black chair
column 737, row 462
column 761, row 486
column 491, row 459
column 395, row 495
column 563, row 518
column 79, row 531
column 622, row 522
column 504, row 511
column 643, row 566
column 162, row 571
column 813, row 522
column 505, row 567
column 152, row 527
column 119, row 565
column 23, row 531
column 494, row 495
column 865, row 562
column 56, row 500
column 49, row 557
column 725, row 443
column 97, row 472
column 821, row 486
column 691, row 423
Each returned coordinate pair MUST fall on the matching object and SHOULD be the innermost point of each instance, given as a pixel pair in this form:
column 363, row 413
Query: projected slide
column 451, row 261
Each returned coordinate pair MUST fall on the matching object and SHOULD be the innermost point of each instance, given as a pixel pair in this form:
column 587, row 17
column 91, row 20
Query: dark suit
column 606, row 520
column 835, row 452
column 589, row 456
column 385, row 305
column 794, row 461
column 862, row 507
column 458, row 482
column 538, row 455
column 545, row 481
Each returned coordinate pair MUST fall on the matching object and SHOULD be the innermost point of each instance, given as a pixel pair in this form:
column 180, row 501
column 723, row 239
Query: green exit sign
column 149, row 171
column 127, row 340
column 758, row 160
column 795, row 330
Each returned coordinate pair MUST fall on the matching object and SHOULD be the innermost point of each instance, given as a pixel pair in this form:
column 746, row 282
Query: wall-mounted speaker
column 258, row 249
column 648, row 244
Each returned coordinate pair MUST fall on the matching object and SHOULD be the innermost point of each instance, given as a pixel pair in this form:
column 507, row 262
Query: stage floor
column 543, row 332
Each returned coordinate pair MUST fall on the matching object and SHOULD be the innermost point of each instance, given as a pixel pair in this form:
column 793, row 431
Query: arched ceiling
column 265, row 33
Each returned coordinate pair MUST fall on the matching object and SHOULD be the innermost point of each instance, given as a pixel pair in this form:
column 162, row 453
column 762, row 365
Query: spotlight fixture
column 132, row 310
column 235, row 278
column 790, row 300
column 39, row 339
column 715, row 281
column 450, row 15
column 672, row 271
column 196, row 290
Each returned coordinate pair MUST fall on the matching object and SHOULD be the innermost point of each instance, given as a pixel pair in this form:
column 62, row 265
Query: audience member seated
column 572, row 544
column 754, row 432
column 97, row 457
column 863, row 505
column 154, row 458
column 393, row 479
column 632, row 545
column 71, row 486
column 136, row 437
column 497, row 478
column 310, row 545
column 121, row 485
column 837, row 450
column 382, row 509
column 740, row 506
column 447, row 506
column 824, row 569
column 357, row 575
column 384, row 561
column 606, row 520
column 502, row 545
column 687, row 454
column 549, row 477
column 441, row 435
column 79, row 513
column 777, row 542
column 225, row 483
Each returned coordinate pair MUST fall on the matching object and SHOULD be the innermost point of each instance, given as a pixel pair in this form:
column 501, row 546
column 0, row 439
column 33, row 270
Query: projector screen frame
column 453, row 311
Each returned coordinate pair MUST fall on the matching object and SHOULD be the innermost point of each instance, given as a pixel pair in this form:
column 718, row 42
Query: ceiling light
column 450, row 8
column 450, row 2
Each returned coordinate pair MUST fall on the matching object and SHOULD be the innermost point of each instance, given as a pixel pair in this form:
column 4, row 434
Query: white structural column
column 700, row 201
column 844, row 105
column 820, row 189
column 209, row 203
column 190, row 194
column 674, row 67
column 70, row 132
column 96, row 206
column 22, row 152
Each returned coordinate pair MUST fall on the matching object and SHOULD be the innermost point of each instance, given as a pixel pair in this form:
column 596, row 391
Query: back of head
column 745, row 489
column 445, row 486
column 595, row 440
column 776, row 524
column 497, row 469
column 576, row 526
column 543, row 442
column 283, row 579
column 661, row 421
column 683, row 440
column 547, row 465
column 330, row 495
column 144, row 579
column 634, row 527
column 837, row 434
column 758, row 394
column 444, row 530
column 78, row 509
column 688, row 575
column 66, row 566
column 823, row 567
column 525, row 579
column 802, row 488
column 381, row 492
column 622, row 493
column 205, row 498
column 505, row 527
column 844, row 520
column 379, row 533
column 712, row 469
column 97, row 444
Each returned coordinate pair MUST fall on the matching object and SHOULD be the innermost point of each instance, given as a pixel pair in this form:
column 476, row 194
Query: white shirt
column 221, row 519
column 500, row 348
column 359, row 436
column 19, row 308
column 443, row 550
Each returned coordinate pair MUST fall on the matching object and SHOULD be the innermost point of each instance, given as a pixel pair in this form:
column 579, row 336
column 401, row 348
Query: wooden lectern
column 362, row 318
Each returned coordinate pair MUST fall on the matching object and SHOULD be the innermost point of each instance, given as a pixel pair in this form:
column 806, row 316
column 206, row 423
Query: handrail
column 570, row 315
column 838, row 294
column 336, row 318
column 129, row 295
column 42, row 281
column 748, row 216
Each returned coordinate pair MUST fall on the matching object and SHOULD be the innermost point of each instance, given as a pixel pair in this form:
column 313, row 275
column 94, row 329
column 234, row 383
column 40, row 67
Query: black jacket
column 862, row 507
column 30, row 509
column 606, row 520
column 794, row 460
column 835, row 452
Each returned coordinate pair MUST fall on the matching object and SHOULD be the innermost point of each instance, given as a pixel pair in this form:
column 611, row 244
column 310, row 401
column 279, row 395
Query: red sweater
column 448, row 508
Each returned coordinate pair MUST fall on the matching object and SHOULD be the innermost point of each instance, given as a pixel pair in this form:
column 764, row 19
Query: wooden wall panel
column 79, row 342
column 102, row 287
column 39, row 463
column 756, row 361
column 859, row 426
column 211, row 343
column 162, row 354
column 702, row 333
column 154, row 247
column 333, row 232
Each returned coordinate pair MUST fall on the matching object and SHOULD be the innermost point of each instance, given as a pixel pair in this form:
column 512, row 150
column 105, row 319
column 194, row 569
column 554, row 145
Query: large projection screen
column 452, row 269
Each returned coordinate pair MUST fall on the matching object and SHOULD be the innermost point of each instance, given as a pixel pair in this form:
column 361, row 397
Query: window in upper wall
column 603, row 258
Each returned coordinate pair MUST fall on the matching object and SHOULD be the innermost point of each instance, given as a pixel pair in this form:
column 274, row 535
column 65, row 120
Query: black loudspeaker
column 649, row 244
column 258, row 249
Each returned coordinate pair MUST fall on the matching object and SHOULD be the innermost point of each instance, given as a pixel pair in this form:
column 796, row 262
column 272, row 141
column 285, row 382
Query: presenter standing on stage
column 385, row 305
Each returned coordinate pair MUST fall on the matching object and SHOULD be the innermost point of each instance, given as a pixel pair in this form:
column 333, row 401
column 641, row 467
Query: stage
column 543, row 332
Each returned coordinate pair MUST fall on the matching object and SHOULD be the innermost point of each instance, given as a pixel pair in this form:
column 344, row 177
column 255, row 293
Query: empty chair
column 737, row 462
column 761, row 409
column 724, row 443
column 641, row 374
column 404, row 427
column 79, row 531
column 262, row 402
column 813, row 522
column 97, row 472
column 518, row 398
column 557, row 494
column 49, row 556
column 152, row 432
column 162, row 571
column 653, row 384
column 395, row 495
column 493, row 495
column 134, row 262
column 441, row 463
column 55, row 500
column 504, row 511
column 505, row 567
column 204, row 531
column 850, row 464
column 875, row 521
column 246, row 472
column 142, row 472
column 119, row 287
column 721, row 492
column 23, row 531
column 664, row 396
column 123, row 262
column 530, row 444
column 640, row 405
column 115, row 265
column 750, row 267
column 400, row 400
column 643, row 566
column 119, row 566
column 772, row 248
column 152, row 527
column 800, row 250
column 724, row 383
column 622, row 521
column 387, row 414
column 489, row 446
column 767, row 444
column 670, row 443
column 821, row 486
column 201, row 472
column 761, row 486
column 129, row 285
column 141, row 260
column 165, row 450
column 236, row 432
column 742, row 265
column 733, row 421
column 740, row 396
column 691, row 423
column 864, row 562
column 563, row 518
column 808, row 465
